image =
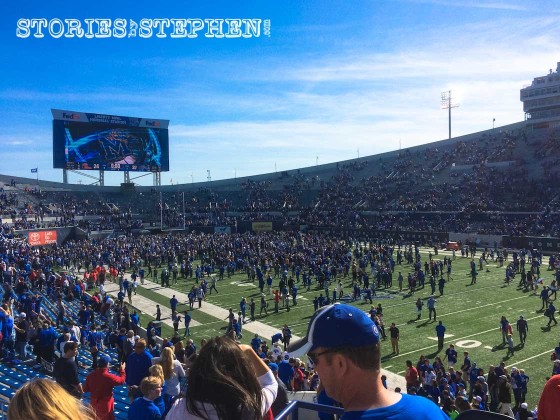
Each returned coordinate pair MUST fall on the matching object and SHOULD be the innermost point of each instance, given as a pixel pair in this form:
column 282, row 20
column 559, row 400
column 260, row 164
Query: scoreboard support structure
column 157, row 179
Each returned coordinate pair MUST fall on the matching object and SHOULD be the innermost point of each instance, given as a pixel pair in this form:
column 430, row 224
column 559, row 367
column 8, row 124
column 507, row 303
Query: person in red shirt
column 100, row 383
column 411, row 375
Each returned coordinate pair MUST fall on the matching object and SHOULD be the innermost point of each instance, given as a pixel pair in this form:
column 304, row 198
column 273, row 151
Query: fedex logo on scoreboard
column 152, row 123
column 42, row 237
column 70, row 116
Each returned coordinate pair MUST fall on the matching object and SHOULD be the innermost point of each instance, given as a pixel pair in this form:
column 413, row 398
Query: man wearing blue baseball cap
column 343, row 344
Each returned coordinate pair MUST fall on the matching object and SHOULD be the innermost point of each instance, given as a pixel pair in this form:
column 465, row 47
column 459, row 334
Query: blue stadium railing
column 292, row 410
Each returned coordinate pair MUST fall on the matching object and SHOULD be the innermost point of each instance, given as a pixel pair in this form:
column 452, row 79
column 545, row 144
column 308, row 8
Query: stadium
column 378, row 232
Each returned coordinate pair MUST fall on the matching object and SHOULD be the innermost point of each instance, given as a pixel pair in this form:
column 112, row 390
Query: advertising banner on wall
column 222, row 229
column 42, row 237
column 262, row 226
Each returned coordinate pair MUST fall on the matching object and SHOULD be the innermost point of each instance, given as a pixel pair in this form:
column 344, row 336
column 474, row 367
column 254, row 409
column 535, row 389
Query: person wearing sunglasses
column 343, row 344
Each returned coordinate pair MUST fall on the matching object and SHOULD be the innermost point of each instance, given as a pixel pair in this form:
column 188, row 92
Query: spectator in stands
column 21, row 326
column 41, row 399
column 172, row 372
column 504, row 395
column 227, row 381
column 286, row 371
column 282, row 399
column 343, row 343
column 157, row 372
column 100, row 383
column 47, row 337
column 143, row 408
column 137, row 366
column 66, row 370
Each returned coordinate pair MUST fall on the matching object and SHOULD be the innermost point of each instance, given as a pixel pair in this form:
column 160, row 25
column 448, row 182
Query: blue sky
column 333, row 79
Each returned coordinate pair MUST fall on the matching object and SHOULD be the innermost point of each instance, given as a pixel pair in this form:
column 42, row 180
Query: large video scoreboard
column 88, row 141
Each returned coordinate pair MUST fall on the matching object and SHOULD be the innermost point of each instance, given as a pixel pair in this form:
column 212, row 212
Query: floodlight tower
column 447, row 103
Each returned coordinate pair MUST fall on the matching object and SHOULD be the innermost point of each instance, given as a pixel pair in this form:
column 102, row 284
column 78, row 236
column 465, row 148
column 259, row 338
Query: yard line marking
column 531, row 358
column 444, row 336
column 402, row 371
column 387, row 367
column 457, row 339
column 470, row 309
column 489, row 347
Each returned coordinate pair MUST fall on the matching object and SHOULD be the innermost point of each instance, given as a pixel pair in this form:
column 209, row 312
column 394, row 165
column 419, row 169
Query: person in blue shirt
column 95, row 342
column 440, row 333
column 120, row 298
column 286, row 372
column 236, row 328
column 256, row 343
column 138, row 363
column 432, row 307
column 451, row 355
column 173, row 302
column 7, row 333
column 47, row 338
column 294, row 294
column 135, row 321
column 187, row 319
column 143, row 408
column 551, row 311
column 243, row 308
column 349, row 365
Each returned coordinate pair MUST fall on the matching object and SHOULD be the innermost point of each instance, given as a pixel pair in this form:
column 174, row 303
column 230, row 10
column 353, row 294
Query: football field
column 470, row 313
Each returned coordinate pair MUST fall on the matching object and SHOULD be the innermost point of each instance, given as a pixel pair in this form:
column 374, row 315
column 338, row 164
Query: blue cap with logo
column 337, row 325
column 103, row 361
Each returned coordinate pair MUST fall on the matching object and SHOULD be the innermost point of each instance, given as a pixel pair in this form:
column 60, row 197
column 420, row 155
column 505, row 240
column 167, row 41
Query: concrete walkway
column 254, row 327
column 146, row 305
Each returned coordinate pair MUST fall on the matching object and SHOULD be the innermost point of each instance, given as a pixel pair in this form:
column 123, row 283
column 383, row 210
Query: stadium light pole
column 161, row 210
column 447, row 103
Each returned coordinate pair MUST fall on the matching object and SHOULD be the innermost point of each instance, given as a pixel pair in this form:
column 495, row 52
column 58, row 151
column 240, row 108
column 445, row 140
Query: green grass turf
column 468, row 312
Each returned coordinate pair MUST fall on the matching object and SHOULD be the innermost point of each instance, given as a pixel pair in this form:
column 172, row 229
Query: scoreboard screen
column 87, row 141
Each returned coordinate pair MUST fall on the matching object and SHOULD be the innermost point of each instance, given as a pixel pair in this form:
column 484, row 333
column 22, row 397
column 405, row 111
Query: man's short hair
column 140, row 344
column 70, row 345
column 364, row 357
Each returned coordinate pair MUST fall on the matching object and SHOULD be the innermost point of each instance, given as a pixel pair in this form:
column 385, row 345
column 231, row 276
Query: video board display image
column 132, row 145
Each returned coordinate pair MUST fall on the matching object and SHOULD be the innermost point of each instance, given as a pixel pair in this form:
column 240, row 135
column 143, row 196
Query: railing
column 292, row 410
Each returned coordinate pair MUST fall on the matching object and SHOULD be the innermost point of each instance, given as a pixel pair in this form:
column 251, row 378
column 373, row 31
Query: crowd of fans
column 502, row 183
column 59, row 275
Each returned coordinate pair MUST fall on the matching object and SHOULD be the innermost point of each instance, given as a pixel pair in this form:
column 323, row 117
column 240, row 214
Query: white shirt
column 276, row 351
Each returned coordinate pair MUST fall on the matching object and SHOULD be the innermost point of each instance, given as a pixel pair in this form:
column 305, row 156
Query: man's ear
column 341, row 364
